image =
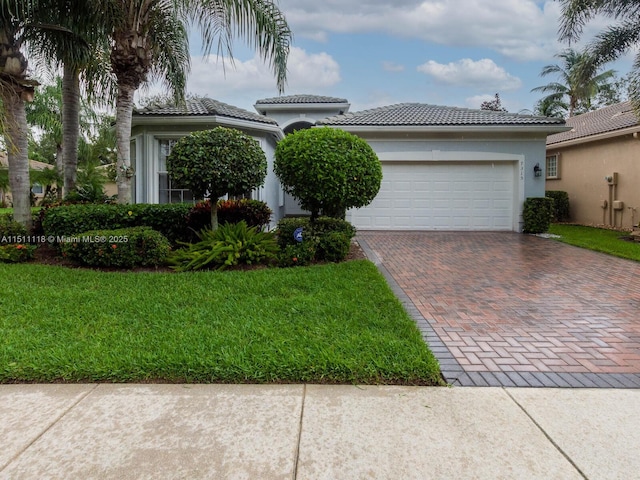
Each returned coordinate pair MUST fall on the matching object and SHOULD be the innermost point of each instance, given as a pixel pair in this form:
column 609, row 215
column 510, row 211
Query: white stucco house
column 444, row 168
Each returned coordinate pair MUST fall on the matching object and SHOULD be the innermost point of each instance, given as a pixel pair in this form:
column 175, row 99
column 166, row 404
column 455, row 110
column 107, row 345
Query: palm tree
column 613, row 41
column 20, row 21
column 579, row 82
column 82, row 19
column 149, row 39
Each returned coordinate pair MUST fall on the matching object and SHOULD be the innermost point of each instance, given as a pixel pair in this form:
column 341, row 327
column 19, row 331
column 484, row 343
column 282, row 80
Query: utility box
column 618, row 205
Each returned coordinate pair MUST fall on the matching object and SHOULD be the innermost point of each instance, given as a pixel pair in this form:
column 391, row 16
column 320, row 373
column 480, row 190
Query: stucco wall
column 583, row 169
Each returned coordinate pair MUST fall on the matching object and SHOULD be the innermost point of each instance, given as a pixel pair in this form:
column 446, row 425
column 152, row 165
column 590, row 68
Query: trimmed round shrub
column 333, row 247
column 120, row 248
column 537, row 214
column 217, row 162
column 328, row 170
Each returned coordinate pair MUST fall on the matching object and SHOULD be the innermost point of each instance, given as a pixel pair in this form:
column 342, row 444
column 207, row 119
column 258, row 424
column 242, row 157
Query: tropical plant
column 231, row 244
column 149, row 39
column 328, row 170
column 217, row 162
column 578, row 85
column 611, row 43
column 37, row 22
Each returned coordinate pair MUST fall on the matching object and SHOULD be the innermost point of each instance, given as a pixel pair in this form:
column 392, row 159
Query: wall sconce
column 537, row 171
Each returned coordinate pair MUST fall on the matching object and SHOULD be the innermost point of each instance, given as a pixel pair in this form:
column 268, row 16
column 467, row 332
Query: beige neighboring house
column 37, row 189
column 597, row 163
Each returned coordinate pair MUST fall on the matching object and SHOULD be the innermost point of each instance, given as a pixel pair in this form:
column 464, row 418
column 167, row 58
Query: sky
column 375, row 53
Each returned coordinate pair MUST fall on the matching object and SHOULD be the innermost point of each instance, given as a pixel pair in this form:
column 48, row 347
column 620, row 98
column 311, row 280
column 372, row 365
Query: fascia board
column 202, row 119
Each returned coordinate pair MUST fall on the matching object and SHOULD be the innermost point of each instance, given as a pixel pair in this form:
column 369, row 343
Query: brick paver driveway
column 516, row 310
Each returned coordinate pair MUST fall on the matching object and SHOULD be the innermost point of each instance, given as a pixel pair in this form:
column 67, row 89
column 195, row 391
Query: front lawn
column 598, row 239
column 327, row 323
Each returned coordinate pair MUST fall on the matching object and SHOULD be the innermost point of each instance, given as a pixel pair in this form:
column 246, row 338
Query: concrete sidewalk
column 316, row 432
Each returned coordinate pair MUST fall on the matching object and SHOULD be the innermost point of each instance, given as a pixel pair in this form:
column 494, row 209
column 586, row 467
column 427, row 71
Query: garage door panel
column 441, row 196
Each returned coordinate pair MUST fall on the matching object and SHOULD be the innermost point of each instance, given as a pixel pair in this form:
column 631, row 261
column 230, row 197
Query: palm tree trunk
column 70, row 125
column 124, row 112
column 16, row 135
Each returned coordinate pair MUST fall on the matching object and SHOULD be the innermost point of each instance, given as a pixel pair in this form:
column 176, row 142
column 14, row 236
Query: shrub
column 333, row 247
column 330, row 238
column 217, row 162
column 229, row 245
column 16, row 253
column 254, row 212
column 560, row 205
column 328, row 170
column 537, row 214
column 9, row 228
column 287, row 227
column 120, row 248
column 298, row 254
column 69, row 220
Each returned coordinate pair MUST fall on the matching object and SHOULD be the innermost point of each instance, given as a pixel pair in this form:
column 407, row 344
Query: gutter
column 262, row 108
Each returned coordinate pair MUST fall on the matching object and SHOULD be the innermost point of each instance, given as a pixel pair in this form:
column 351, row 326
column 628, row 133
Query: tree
column 611, row 43
column 217, row 162
column 328, row 170
column 22, row 21
column 579, row 82
column 149, row 39
column 495, row 104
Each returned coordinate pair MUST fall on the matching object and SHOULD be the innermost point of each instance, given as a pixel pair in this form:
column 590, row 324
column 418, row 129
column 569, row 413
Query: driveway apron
column 506, row 309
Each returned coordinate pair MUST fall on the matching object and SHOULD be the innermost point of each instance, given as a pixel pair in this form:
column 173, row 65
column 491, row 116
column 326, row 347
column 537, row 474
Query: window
column 37, row 189
column 169, row 193
column 552, row 166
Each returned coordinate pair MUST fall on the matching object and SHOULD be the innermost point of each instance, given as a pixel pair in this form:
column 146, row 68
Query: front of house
column 597, row 162
column 444, row 168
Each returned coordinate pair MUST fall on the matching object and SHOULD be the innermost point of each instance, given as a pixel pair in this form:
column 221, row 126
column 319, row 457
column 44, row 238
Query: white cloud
column 483, row 73
column 518, row 29
column 392, row 67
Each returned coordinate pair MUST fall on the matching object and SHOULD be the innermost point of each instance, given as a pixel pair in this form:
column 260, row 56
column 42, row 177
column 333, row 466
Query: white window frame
column 552, row 173
column 170, row 142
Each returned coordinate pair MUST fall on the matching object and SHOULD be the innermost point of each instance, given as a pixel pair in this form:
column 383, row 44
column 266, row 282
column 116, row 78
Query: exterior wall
column 147, row 150
column 582, row 170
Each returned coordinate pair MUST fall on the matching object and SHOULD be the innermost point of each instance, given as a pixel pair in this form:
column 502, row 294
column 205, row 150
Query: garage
column 442, row 196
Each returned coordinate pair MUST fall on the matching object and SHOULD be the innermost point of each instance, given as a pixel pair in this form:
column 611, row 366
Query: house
column 597, row 162
column 36, row 188
column 444, row 168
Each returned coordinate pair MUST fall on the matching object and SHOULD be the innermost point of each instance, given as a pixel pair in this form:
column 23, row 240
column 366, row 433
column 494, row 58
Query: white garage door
column 441, row 196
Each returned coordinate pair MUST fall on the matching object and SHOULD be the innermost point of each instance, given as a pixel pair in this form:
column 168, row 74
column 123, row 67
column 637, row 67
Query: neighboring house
column 36, row 188
column 597, row 163
column 444, row 168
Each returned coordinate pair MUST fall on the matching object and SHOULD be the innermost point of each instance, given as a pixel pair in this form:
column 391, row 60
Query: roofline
column 307, row 106
column 595, row 137
column 198, row 119
column 548, row 129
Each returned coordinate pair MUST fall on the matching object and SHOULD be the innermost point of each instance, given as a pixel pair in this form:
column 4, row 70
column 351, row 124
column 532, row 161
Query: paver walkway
column 516, row 310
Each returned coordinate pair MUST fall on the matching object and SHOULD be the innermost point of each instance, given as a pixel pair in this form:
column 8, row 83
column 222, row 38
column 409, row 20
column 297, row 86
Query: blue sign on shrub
column 297, row 234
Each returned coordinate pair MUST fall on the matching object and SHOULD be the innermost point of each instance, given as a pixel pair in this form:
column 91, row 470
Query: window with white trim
column 37, row 189
column 168, row 192
column 552, row 166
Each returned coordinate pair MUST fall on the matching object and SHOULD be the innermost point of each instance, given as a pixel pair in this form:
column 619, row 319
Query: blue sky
column 374, row 53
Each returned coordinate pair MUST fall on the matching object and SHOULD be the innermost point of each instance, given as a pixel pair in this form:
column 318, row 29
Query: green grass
column 336, row 323
column 598, row 239
column 4, row 211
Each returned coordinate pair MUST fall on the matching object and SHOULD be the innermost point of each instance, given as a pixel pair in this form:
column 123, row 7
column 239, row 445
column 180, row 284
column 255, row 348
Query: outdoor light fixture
column 537, row 170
